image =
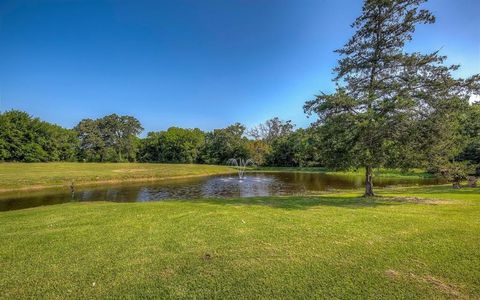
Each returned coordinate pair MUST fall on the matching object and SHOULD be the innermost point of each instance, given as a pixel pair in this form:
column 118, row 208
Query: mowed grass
column 330, row 246
column 41, row 175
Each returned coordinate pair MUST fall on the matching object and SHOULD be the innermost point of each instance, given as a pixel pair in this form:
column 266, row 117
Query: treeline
column 114, row 138
column 28, row 139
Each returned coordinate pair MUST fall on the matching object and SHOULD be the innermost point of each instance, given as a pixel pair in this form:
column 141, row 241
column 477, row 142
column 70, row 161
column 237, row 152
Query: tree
column 226, row 143
column 173, row 145
column 92, row 146
column 111, row 138
column 119, row 133
column 271, row 129
column 471, row 134
column 27, row 139
column 258, row 151
column 455, row 172
column 382, row 92
column 295, row 149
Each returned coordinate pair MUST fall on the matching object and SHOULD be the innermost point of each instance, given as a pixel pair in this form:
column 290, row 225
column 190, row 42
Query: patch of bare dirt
column 439, row 284
column 392, row 274
column 443, row 286
column 129, row 170
column 418, row 200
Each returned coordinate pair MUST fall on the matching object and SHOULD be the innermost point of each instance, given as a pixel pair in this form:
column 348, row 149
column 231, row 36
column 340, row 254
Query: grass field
column 41, row 175
column 409, row 243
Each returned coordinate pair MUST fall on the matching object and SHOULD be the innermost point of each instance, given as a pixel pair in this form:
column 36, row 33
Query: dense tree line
column 176, row 145
column 114, row 138
column 28, row 139
column 452, row 137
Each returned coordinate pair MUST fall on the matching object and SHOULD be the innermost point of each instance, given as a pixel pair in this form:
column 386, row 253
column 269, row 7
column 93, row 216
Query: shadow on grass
column 301, row 202
column 442, row 189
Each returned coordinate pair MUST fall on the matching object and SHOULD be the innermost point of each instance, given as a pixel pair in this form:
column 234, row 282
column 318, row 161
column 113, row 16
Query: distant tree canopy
column 176, row 144
column 283, row 145
column 24, row 138
column 223, row 144
column 389, row 102
column 271, row 130
column 294, row 149
column 453, row 130
column 111, row 138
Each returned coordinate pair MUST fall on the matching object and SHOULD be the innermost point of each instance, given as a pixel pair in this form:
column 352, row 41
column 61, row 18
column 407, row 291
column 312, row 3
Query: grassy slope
column 293, row 247
column 39, row 175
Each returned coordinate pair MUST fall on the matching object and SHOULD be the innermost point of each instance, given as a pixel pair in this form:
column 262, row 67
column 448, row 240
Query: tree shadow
column 300, row 202
column 443, row 189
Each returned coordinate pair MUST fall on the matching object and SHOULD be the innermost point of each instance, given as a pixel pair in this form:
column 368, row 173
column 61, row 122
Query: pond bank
column 38, row 176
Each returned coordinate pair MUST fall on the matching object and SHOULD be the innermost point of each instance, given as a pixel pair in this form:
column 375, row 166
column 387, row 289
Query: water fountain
column 241, row 165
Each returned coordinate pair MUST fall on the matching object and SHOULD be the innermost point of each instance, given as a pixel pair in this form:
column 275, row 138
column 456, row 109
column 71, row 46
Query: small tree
column 455, row 172
column 272, row 129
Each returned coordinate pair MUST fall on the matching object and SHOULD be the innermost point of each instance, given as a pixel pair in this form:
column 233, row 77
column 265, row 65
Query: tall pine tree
column 383, row 92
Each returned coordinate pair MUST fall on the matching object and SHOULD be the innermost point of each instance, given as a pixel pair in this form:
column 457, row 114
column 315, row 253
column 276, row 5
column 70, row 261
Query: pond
column 222, row 186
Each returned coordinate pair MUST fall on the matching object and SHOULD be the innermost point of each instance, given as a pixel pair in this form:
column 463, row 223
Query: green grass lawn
column 409, row 243
column 40, row 175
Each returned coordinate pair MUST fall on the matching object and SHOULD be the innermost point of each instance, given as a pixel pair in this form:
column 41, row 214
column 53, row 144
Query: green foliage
column 454, row 172
column 226, row 143
column 385, row 95
column 294, row 149
column 282, row 145
column 258, row 150
column 470, row 130
column 111, row 138
column 338, row 137
column 92, row 146
column 173, row 145
column 24, row 138
column 114, row 138
column 271, row 129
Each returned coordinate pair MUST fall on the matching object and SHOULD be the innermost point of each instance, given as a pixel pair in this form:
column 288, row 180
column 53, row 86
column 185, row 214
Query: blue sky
column 192, row 63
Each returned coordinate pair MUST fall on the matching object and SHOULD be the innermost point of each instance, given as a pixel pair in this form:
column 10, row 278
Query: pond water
column 221, row 186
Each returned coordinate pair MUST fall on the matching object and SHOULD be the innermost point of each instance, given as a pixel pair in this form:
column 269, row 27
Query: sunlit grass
column 40, row 175
column 328, row 246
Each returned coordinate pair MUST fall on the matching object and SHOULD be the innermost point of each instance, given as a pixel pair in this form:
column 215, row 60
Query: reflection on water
column 223, row 186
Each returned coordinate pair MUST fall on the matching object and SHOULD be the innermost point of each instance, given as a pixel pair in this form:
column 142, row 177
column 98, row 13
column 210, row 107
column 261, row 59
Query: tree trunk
column 369, row 182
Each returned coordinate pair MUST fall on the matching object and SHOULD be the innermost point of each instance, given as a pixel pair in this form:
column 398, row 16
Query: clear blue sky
column 192, row 63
